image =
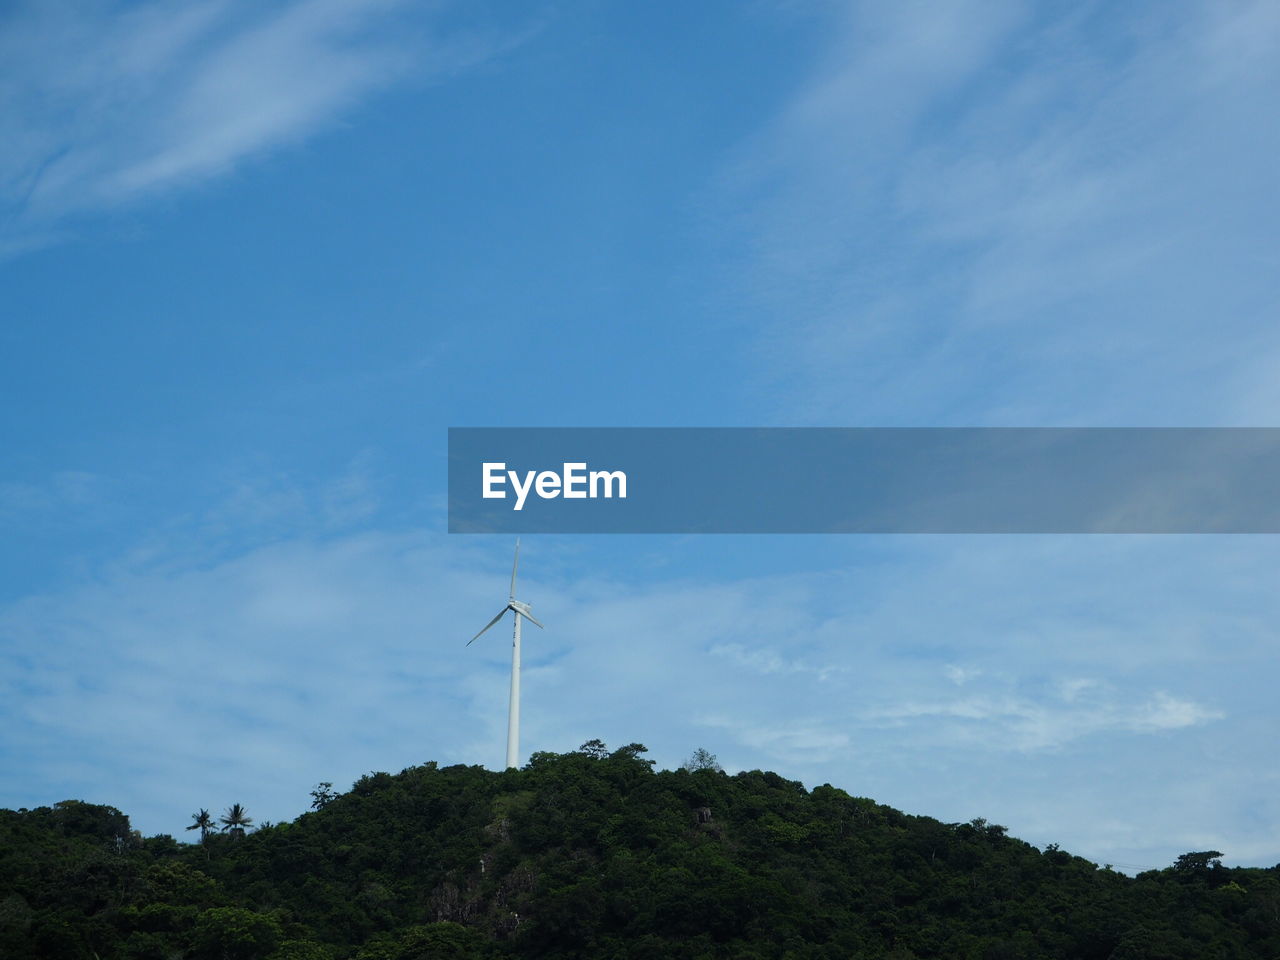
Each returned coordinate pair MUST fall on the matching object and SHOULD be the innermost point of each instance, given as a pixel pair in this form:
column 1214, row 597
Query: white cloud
column 1164, row 712
column 1018, row 722
column 805, row 741
column 768, row 661
column 64, row 490
column 179, row 678
column 961, row 675
column 999, row 214
column 1071, row 688
column 105, row 103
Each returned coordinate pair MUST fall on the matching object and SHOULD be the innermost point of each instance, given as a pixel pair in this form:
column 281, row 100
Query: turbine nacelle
column 518, row 607
column 522, row 609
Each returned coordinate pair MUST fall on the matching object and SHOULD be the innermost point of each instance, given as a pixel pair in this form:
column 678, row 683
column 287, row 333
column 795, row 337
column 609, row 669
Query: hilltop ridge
column 595, row 854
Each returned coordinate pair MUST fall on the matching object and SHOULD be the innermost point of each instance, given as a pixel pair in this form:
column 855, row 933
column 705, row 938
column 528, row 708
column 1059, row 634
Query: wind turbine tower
column 521, row 611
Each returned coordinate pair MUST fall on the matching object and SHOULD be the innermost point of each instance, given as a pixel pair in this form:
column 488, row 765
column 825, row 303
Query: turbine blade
column 487, row 626
column 529, row 617
column 513, row 569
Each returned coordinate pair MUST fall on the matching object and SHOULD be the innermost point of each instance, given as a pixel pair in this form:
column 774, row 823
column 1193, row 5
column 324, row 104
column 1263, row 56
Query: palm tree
column 203, row 822
column 235, row 820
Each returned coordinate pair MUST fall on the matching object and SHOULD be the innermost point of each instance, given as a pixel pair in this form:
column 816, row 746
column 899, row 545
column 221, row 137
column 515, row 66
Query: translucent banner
column 863, row 480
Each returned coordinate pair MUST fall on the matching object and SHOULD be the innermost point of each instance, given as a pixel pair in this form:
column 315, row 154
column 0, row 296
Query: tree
column 235, row 933
column 80, row 819
column 235, row 820
column 595, row 749
column 1198, row 862
column 632, row 751
column 300, row 950
column 323, row 795
column 702, row 759
column 432, row 941
column 203, row 822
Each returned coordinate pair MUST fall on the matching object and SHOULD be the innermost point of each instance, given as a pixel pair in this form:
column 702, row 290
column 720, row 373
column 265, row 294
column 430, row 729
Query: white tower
column 521, row 611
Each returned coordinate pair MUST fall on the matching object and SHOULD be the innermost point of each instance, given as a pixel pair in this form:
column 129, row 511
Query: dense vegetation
column 595, row 854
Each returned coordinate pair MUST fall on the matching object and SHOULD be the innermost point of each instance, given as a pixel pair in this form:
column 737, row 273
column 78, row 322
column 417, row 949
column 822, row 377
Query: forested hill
column 595, row 854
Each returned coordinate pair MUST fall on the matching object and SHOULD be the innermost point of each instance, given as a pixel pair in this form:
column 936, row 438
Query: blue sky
column 256, row 258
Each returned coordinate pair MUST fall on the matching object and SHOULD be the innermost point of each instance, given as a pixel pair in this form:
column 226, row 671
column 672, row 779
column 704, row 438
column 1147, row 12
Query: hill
column 595, row 854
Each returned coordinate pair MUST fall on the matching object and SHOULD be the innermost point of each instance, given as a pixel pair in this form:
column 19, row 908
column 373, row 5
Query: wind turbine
column 521, row 610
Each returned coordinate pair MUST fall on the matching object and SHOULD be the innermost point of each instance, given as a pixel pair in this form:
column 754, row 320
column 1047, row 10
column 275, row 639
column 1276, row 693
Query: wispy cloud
column 1000, row 213
column 105, row 103
column 769, row 661
column 806, row 740
column 66, row 489
column 1004, row 683
column 1019, row 722
column 961, row 675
